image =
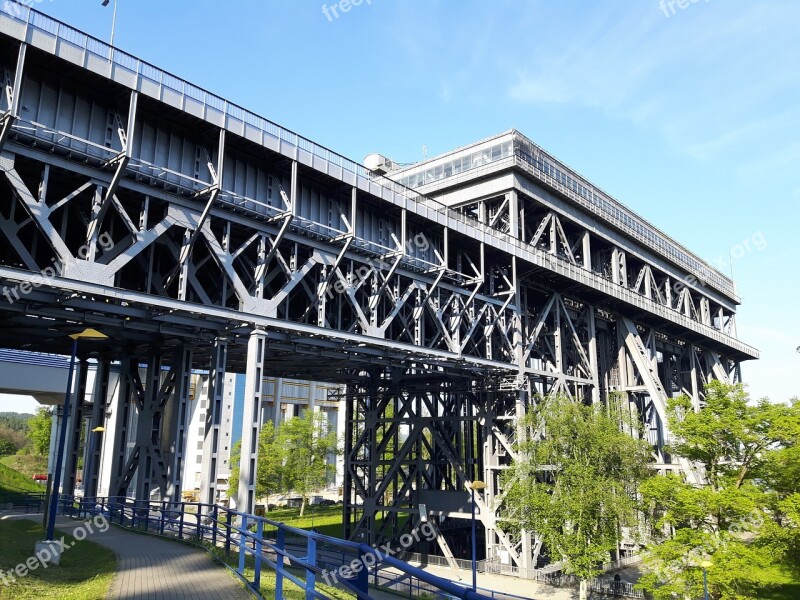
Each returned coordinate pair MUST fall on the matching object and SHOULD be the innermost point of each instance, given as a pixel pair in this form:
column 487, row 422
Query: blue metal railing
column 314, row 560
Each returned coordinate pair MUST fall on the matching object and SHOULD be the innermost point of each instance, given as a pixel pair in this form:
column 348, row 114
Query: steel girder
column 107, row 201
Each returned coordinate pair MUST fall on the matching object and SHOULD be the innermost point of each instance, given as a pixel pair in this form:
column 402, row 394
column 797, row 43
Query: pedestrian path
column 153, row 568
column 509, row 585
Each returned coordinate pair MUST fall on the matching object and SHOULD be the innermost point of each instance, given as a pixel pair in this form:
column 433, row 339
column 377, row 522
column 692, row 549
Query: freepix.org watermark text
column 425, row 532
column 42, row 558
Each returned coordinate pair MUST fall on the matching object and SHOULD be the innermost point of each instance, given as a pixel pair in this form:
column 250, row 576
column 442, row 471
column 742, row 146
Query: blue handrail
column 316, row 556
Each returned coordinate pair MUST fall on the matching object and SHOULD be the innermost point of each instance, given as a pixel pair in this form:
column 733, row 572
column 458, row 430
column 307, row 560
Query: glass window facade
column 535, row 159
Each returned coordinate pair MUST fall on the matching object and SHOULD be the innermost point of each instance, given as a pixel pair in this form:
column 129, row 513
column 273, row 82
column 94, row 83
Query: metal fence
column 262, row 544
column 27, row 501
column 554, row 578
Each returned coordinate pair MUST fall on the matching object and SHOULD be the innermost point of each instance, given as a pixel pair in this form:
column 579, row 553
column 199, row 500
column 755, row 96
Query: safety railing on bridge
column 318, row 564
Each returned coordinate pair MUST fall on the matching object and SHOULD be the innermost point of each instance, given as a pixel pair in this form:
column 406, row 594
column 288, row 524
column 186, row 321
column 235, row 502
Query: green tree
column 308, row 442
column 271, row 458
column 11, row 439
column 744, row 521
column 269, row 472
column 39, row 427
column 233, row 463
column 7, row 447
column 576, row 484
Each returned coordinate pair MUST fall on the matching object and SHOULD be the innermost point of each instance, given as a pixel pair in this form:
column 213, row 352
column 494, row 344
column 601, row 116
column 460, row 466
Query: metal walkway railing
column 310, row 560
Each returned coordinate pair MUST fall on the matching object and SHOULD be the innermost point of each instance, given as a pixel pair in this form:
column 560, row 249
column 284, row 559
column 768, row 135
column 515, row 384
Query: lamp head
column 89, row 334
column 105, row 2
column 476, row 485
column 98, row 429
column 706, row 564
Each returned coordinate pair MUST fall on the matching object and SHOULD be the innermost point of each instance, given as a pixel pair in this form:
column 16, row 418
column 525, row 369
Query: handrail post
column 243, row 546
column 279, row 562
column 228, row 519
column 180, row 523
column 163, row 510
column 362, row 577
column 214, row 517
column 259, row 549
column 311, row 559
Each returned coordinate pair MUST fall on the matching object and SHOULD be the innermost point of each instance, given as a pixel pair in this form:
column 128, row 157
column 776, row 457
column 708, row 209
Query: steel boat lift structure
column 448, row 295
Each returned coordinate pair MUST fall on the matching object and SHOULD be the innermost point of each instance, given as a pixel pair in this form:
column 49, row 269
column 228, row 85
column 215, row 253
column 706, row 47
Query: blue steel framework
column 196, row 234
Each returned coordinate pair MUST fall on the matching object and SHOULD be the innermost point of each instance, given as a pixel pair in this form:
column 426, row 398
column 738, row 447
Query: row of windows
column 531, row 155
column 458, row 165
column 622, row 217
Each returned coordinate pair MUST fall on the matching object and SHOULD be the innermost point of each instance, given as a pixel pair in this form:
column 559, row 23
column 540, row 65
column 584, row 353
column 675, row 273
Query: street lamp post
column 62, row 434
column 706, row 565
column 113, row 20
column 475, row 485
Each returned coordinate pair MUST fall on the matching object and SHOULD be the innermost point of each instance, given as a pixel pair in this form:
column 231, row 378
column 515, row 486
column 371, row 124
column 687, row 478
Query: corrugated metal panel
column 34, row 358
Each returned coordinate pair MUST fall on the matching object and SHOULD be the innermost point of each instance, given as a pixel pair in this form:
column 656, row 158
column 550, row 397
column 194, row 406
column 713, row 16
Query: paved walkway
column 510, row 585
column 149, row 568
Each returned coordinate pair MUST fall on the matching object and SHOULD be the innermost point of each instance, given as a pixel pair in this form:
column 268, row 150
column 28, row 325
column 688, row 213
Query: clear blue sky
column 691, row 119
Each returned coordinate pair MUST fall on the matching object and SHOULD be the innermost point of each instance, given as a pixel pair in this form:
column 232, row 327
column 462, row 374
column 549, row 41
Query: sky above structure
column 689, row 116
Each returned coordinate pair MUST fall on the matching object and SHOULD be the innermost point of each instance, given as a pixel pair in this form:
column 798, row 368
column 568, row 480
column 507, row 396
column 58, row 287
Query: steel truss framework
column 200, row 241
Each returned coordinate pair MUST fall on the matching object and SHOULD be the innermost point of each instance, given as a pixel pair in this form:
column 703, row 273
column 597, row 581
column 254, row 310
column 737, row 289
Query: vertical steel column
column 694, row 379
column 593, row 360
column 586, row 241
column 254, row 382
column 121, row 414
column 371, row 417
column 73, row 445
column 146, row 428
column 216, row 383
column 16, row 94
column 178, row 419
column 95, row 443
column 513, row 213
column 348, row 485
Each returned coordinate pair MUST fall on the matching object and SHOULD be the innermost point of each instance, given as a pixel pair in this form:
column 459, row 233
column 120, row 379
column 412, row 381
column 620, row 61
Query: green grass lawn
column 13, row 481
column 28, row 465
column 789, row 586
column 85, row 573
column 326, row 519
